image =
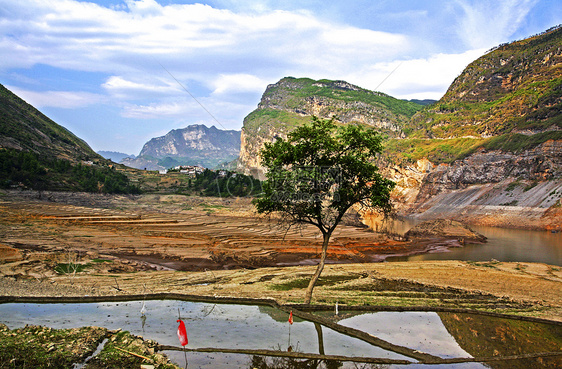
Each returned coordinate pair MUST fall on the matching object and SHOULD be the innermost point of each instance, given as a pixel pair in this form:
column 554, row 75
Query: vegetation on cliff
column 292, row 101
column 514, row 87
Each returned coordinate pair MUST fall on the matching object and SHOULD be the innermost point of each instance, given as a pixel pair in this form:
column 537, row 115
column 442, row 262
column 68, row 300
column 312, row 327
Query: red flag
column 291, row 318
column 182, row 334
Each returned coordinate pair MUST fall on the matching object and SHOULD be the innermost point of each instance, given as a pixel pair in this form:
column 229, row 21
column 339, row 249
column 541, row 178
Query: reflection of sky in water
column 245, row 326
column 421, row 331
column 208, row 325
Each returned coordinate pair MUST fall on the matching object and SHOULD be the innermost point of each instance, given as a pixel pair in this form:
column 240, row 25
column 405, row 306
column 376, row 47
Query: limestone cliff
column 495, row 188
column 292, row 101
column 490, row 151
column 193, row 145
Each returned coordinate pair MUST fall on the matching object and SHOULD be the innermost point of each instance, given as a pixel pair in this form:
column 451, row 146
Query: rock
column 445, row 228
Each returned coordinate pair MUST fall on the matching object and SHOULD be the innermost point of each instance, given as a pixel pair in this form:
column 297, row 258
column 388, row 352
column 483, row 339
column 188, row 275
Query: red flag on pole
column 291, row 318
column 182, row 334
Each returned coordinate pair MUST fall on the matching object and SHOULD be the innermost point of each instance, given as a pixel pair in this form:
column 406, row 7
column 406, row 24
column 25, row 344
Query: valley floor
column 64, row 245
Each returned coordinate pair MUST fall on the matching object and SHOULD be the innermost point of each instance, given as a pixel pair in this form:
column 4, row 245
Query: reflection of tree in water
column 261, row 362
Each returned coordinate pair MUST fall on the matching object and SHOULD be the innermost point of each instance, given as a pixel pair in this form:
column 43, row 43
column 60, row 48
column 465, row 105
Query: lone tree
column 318, row 173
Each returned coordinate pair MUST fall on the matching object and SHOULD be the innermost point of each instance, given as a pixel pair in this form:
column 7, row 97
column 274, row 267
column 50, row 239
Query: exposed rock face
column 291, row 102
column 492, row 188
column 195, row 144
column 445, row 228
column 539, row 164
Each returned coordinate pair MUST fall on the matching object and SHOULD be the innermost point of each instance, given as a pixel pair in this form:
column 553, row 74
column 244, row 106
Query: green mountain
column 37, row 153
column 292, row 101
column 515, row 87
column 24, row 128
column 509, row 99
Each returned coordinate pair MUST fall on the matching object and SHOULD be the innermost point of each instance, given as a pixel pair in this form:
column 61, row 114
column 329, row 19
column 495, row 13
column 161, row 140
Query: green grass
column 69, row 268
column 300, row 283
column 516, row 143
column 437, row 151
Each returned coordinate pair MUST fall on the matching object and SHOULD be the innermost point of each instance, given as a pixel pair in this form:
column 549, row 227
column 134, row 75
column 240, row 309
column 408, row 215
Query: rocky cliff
column 193, row 145
column 292, row 101
column 494, row 142
column 488, row 152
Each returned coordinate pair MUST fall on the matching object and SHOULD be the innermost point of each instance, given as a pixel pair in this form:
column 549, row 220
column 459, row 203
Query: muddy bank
column 87, row 347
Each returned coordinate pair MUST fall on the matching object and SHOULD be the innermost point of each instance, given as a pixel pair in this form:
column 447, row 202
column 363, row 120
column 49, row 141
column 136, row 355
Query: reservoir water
column 509, row 245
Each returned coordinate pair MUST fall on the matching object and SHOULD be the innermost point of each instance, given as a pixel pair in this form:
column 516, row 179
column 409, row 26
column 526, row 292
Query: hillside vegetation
column 22, row 127
column 514, row 88
column 37, row 153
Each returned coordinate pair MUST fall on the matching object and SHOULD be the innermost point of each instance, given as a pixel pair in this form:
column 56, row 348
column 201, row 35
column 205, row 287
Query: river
column 510, row 245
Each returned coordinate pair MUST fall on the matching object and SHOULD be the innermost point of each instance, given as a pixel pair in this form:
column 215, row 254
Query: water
column 244, row 327
column 509, row 245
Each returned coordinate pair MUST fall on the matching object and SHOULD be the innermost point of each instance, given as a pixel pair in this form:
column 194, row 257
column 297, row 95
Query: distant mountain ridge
column 115, row 156
column 193, row 145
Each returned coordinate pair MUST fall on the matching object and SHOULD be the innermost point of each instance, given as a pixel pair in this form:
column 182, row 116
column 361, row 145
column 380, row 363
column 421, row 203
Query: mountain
column 514, row 88
column 490, row 150
column 115, row 156
column 292, row 101
column 193, row 145
column 24, row 128
column 37, row 153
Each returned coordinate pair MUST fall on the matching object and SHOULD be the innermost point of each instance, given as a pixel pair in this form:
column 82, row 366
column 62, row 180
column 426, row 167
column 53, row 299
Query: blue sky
column 114, row 72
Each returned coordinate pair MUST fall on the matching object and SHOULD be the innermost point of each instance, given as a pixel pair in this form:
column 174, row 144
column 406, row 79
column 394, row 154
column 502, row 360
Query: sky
column 118, row 73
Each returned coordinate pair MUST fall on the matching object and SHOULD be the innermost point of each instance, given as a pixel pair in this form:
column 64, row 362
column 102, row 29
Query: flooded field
column 234, row 333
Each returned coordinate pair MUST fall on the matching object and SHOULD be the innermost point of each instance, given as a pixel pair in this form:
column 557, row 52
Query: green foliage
column 70, row 268
column 333, row 90
column 437, row 151
column 320, row 171
column 27, row 169
column 515, row 142
column 278, row 119
column 221, row 183
column 21, row 167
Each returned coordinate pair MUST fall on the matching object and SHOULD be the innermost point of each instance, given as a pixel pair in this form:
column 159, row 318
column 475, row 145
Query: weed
column 70, row 268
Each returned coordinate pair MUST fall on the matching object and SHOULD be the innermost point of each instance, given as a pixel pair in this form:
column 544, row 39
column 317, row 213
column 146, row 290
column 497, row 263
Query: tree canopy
column 319, row 172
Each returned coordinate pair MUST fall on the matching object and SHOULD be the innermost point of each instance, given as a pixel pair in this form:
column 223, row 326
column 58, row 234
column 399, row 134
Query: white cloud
column 58, row 99
column 415, row 78
column 487, row 23
column 123, row 88
column 237, row 83
column 227, row 56
column 156, row 110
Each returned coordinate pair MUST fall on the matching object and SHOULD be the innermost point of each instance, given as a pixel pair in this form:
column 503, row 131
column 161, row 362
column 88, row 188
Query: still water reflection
column 246, row 327
column 510, row 245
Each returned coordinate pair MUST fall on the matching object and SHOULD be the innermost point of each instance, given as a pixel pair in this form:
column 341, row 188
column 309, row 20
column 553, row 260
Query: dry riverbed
column 55, row 245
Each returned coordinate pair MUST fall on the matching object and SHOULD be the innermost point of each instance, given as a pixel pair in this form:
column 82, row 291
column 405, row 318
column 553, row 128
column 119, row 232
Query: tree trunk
column 319, row 269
